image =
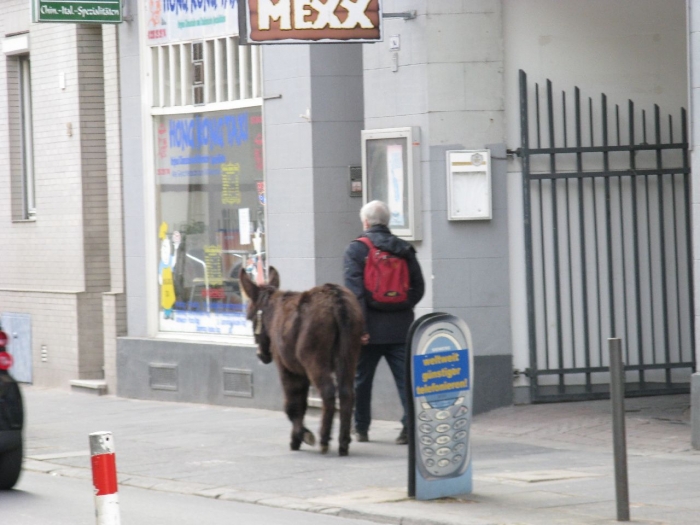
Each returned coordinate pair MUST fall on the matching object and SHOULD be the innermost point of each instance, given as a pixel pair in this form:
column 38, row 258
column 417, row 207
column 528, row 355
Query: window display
column 211, row 216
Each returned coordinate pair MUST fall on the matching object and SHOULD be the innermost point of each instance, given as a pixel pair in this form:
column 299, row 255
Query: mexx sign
column 310, row 21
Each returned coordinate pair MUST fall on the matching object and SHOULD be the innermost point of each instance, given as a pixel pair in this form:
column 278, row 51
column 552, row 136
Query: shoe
column 361, row 437
column 403, row 437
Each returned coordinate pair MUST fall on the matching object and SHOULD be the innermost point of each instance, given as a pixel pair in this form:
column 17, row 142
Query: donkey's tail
column 349, row 322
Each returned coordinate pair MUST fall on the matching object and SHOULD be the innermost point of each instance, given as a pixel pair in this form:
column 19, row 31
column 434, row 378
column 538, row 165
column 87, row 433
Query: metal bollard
column 104, row 478
column 617, row 397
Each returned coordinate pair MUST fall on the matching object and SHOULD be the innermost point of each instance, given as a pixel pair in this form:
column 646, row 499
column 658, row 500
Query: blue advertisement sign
column 440, row 374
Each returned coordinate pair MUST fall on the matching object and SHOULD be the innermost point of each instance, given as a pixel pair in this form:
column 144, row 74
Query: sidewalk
column 536, row 464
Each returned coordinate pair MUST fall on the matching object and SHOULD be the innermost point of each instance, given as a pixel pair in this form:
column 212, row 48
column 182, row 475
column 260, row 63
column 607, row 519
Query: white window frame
column 224, row 67
column 27, row 139
column 232, row 76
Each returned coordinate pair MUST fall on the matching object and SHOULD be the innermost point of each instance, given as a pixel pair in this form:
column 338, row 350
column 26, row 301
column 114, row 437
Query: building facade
column 237, row 156
column 62, row 286
column 540, row 312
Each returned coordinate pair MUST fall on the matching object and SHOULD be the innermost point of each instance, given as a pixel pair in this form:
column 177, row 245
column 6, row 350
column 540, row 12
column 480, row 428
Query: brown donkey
column 314, row 337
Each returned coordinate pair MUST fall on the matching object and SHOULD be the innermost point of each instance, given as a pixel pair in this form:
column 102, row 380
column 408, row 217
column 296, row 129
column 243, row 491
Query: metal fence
column 608, row 245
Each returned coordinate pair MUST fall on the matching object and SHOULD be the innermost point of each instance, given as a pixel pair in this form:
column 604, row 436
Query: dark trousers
column 395, row 355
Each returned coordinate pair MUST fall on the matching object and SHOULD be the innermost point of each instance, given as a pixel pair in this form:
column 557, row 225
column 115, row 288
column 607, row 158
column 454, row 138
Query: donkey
column 314, row 337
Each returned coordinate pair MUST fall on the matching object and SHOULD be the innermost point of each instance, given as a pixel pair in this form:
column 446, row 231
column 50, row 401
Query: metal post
column 104, row 478
column 617, row 396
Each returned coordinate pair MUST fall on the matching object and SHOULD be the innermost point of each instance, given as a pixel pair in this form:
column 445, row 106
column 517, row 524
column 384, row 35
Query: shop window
column 211, row 215
column 204, row 72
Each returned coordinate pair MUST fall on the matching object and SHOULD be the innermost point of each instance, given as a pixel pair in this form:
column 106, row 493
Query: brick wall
column 54, row 325
column 58, row 267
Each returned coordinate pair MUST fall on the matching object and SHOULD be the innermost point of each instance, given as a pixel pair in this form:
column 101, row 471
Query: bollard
column 104, row 478
column 617, row 397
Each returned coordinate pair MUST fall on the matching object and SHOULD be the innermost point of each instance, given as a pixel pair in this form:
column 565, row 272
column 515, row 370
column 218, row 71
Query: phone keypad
column 460, row 423
column 443, row 444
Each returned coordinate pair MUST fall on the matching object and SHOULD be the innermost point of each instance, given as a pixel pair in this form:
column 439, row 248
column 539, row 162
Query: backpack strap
column 366, row 242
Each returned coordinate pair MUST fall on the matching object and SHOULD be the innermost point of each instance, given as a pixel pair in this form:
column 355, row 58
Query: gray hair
column 375, row 213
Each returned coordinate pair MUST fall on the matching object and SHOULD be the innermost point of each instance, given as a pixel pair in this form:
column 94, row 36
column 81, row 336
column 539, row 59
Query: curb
column 240, row 496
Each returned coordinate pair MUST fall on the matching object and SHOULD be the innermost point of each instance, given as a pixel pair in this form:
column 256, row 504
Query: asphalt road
column 43, row 499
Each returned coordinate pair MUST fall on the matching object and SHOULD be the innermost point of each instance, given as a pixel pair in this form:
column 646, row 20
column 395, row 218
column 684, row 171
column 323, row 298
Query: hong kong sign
column 78, row 11
column 310, row 21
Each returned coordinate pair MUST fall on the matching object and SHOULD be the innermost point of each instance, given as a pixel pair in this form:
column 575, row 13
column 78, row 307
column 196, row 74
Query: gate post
column 617, row 397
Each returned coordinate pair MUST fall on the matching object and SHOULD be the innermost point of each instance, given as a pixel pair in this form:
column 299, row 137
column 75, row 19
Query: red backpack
column 386, row 279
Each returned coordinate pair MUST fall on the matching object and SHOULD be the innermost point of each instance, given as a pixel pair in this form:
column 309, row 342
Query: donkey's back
column 330, row 325
column 315, row 338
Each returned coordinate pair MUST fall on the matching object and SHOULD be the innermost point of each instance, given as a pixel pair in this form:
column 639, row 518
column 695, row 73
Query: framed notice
column 391, row 173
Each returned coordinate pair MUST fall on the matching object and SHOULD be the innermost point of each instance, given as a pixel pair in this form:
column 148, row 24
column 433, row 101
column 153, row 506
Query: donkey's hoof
column 295, row 445
column 309, row 438
column 343, row 451
column 324, row 449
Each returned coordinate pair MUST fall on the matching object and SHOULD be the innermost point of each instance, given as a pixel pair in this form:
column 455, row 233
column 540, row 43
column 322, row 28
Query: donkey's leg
column 296, row 391
column 346, row 396
column 326, row 388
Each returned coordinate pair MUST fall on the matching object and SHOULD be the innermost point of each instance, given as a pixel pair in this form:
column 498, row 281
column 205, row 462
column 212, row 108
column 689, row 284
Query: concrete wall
column 337, row 120
column 134, row 185
column 197, row 373
column 449, row 82
column 312, row 135
column 694, row 74
column 289, row 177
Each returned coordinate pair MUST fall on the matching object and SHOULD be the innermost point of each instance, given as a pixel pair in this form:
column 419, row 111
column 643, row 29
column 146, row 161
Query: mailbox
column 468, row 185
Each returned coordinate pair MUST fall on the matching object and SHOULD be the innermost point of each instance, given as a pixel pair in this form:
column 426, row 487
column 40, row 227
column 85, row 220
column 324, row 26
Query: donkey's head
column 259, row 309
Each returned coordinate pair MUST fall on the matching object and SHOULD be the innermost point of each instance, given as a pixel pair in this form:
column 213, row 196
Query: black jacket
column 383, row 327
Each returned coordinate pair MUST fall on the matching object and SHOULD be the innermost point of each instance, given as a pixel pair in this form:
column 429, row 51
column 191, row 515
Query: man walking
column 386, row 327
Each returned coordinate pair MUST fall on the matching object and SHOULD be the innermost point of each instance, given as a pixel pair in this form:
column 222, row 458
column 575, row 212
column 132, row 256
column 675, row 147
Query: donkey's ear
column 249, row 287
column 274, row 279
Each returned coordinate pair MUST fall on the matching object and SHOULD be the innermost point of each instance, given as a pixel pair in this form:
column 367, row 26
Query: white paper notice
column 244, row 225
column 394, row 167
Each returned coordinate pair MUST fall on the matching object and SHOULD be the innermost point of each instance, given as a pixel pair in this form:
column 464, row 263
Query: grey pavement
column 534, row 464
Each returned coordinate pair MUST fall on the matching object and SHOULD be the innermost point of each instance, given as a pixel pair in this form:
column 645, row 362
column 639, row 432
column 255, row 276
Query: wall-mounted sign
column 78, row 11
column 183, row 20
column 310, row 21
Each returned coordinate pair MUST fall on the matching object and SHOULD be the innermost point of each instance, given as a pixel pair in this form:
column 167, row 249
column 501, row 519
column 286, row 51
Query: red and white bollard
column 104, row 478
